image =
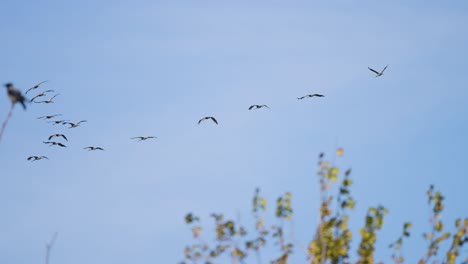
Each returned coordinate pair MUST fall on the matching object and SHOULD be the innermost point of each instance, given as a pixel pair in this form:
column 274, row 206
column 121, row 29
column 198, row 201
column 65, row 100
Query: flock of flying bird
column 15, row 96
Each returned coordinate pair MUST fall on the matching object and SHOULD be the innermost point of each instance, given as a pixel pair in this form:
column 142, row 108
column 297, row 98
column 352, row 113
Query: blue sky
column 142, row 67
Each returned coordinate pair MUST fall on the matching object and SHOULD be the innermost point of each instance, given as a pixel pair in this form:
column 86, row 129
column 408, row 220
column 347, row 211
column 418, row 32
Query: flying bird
column 58, row 135
column 208, row 117
column 311, row 95
column 94, row 148
column 48, row 116
column 378, row 74
column 35, row 87
column 53, row 143
column 15, row 95
column 34, row 158
column 56, row 122
column 42, row 94
column 142, row 138
column 48, row 101
column 258, row 107
column 73, row 125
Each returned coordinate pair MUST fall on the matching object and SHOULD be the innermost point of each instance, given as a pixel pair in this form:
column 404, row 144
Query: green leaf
column 347, row 182
column 189, row 218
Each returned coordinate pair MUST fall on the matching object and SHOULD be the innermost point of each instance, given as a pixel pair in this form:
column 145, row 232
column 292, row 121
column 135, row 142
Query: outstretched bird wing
column 37, row 85
column 250, row 108
column 214, row 120
column 39, row 95
column 384, row 69
column 32, row 88
column 62, row 135
column 376, row 72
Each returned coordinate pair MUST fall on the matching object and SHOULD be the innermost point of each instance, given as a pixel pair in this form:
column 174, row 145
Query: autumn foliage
column 332, row 239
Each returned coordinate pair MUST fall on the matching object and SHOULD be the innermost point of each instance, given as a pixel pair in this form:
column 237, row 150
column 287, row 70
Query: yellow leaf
column 339, row 152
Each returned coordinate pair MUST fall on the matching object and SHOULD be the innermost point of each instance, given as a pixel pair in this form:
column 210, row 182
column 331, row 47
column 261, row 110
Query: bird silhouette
column 48, row 101
column 35, row 87
column 378, row 74
column 142, row 138
column 41, row 94
column 56, row 122
column 57, row 135
column 208, row 117
column 48, row 116
column 311, row 95
column 94, row 148
column 73, row 125
column 258, row 107
column 15, row 95
column 34, row 158
column 53, row 143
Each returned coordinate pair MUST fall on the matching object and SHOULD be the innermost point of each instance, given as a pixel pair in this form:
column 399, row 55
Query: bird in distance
column 48, row 101
column 73, row 125
column 53, row 143
column 42, row 94
column 142, row 138
column 56, row 122
column 48, row 116
column 208, row 117
column 258, row 107
column 310, row 95
column 34, row 158
column 376, row 72
column 58, row 135
column 94, row 148
column 35, row 87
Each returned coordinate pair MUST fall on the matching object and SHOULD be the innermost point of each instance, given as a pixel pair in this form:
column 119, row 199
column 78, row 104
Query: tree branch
column 6, row 120
column 49, row 247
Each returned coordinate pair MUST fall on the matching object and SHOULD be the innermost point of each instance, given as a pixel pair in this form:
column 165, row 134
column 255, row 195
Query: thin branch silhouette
column 49, row 247
column 6, row 121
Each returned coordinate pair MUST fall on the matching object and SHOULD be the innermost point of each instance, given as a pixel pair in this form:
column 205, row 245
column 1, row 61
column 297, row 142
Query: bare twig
column 300, row 244
column 49, row 247
column 6, row 120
